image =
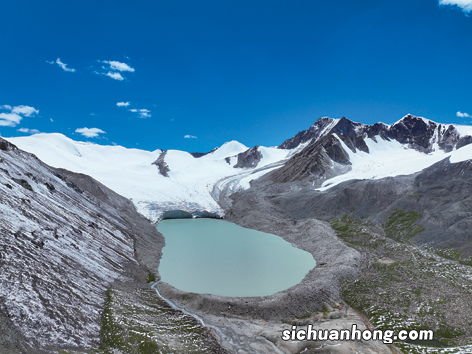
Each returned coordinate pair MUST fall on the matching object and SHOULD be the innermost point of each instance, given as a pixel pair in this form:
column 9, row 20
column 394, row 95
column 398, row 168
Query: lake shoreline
column 218, row 257
column 320, row 285
column 255, row 324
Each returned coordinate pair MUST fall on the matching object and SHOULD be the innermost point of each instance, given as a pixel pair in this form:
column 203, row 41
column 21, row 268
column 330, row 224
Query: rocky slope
column 412, row 230
column 65, row 240
column 413, row 236
column 440, row 194
column 344, row 171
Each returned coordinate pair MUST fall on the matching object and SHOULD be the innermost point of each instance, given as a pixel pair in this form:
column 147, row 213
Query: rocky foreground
column 70, row 250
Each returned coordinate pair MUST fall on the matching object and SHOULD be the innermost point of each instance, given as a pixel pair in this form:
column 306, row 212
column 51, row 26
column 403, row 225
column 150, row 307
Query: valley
column 384, row 211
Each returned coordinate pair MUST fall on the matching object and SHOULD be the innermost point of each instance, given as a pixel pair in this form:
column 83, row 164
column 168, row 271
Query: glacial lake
column 210, row 256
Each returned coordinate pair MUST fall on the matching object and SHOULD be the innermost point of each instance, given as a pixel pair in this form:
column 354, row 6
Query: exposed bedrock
column 249, row 158
column 320, row 160
column 162, row 165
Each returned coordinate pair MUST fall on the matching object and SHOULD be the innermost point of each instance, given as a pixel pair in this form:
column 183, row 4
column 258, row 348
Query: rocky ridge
column 66, row 240
column 326, row 156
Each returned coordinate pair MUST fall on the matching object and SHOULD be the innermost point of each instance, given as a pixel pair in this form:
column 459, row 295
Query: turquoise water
column 210, row 256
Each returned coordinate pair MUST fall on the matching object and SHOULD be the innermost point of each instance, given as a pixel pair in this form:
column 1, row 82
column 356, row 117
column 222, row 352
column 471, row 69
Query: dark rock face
column 315, row 161
column 466, row 140
column 162, row 165
column 418, row 133
column 6, row 146
column 413, row 131
column 351, row 133
column 249, row 158
column 448, row 137
column 422, row 134
column 313, row 132
column 335, row 151
column 198, row 154
column 201, row 154
column 24, row 183
column 377, row 129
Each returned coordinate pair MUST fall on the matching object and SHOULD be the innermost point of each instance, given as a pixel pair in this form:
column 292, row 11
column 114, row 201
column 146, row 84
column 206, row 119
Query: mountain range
column 74, row 218
column 329, row 152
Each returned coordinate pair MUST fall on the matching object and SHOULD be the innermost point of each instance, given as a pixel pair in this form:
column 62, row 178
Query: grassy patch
column 402, row 225
column 151, row 277
column 453, row 255
column 400, row 286
column 137, row 321
column 110, row 332
column 115, row 338
column 378, row 308
column 355, row 232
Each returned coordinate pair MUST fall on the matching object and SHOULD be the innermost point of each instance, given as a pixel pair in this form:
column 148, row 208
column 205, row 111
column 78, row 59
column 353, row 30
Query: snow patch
column 386, row 159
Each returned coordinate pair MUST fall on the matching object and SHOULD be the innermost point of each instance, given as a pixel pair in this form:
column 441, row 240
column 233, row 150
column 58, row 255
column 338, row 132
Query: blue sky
column 198, row 73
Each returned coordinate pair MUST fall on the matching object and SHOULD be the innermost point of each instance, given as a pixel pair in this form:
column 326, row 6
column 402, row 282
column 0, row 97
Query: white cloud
column 142, row 112
column 90, row 132
column 115, row 76
column 189, row 136
column 29, row 131
column 26, row 111
column 465, row 5
column 122, row 104
column 114, row 69
column 14, row 114
column 115, row 65
column 463, row 114
column 62, row 65
column 9, row 119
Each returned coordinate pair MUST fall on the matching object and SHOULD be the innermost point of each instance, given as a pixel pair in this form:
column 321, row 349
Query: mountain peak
column 316, row 130
column 230, row 148
column 412, row 119
column 233, row 144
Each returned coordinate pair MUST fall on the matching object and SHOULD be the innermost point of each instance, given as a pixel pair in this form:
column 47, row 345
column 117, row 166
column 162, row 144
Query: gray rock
column 162, row 165
column 249, row 158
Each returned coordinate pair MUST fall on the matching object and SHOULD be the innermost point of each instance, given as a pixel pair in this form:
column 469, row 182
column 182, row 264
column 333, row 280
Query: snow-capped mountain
column 329, row 152
column 339, row 150
column 158, row 180
column 68, row 238
column 418, row 132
